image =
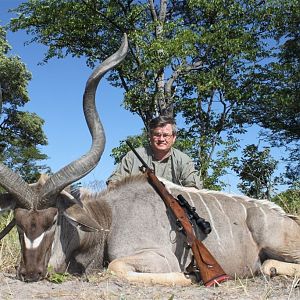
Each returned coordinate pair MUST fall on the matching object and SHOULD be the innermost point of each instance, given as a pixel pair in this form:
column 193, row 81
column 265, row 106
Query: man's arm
column 188, row 175
column 128, row 166
column 123, row 169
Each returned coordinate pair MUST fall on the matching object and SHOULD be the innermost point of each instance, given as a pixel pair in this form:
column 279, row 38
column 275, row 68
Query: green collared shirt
column 177, row 168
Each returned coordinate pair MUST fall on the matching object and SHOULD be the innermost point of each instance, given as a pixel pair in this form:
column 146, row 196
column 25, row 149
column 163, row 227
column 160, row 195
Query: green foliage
column 20, row 132
column 14, row 79
column 276, row 105
column 136, row 141
column 4, row 46
column 57, row 277
column 289, row 201
column 213, row 63
column 292, row 173
column 255, row 170
column 211, row 169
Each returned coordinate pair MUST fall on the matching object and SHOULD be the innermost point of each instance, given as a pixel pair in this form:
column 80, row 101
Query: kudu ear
column 78, row 217
column 7, row 202
column 71, row 198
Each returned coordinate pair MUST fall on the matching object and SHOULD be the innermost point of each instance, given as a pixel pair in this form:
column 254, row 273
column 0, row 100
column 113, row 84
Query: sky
column 55, row 93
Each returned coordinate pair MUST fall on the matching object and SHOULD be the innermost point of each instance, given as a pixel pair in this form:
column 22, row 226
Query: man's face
column 162, row 138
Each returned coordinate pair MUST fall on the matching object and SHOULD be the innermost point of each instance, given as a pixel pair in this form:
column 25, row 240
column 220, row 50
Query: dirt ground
column 109, row 287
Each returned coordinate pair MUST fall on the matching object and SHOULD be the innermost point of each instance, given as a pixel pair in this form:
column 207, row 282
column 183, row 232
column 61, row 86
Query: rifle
column 210, row 271
column 193, row 216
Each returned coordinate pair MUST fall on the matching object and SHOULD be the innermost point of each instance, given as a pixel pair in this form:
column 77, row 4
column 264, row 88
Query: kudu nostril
column 32, row 277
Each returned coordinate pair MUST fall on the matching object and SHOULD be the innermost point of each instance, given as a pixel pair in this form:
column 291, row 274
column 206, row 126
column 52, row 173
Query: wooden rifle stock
column 210, row 271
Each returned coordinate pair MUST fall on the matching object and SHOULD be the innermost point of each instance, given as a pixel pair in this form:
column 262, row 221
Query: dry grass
column 9, row 246
column 107, row 287
column 289, row 201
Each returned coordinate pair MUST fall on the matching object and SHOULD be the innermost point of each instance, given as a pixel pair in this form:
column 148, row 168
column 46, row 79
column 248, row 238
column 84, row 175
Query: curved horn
column 85, row 164
column 13, row 182
column 15, row 185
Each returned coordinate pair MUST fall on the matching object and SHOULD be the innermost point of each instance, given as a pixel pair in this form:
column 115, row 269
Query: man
column 166, row 161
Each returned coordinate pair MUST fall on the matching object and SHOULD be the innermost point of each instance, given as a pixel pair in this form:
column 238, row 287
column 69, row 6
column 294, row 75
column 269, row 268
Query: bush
column 289, row 201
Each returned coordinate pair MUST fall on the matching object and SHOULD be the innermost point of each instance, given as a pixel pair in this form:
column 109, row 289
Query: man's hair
column 162, row 121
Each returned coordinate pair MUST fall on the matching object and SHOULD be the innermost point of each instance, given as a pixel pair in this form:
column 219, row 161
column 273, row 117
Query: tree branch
column 152, row 10
column 112, row 22
column 163, row 11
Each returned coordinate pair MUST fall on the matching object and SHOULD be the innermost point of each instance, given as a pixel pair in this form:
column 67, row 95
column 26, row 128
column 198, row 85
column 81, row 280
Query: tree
column 276, row 106
column 255, row 170
column 20, row 131
column 278, row 84
column 196, row 59
column 229, row 45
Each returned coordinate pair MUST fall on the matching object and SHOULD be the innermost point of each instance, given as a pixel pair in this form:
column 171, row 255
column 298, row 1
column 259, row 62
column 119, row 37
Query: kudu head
column 36, row 205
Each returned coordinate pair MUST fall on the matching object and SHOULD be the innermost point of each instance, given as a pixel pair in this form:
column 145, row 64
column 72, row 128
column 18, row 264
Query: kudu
column 52, row 225
column 143, row 243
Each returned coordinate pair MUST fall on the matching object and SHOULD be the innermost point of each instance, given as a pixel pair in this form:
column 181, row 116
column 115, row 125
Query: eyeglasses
column 158, row 135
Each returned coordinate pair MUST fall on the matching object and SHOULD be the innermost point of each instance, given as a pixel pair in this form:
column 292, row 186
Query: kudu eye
column 49, row 227
column 54, row 220
column 52, row 223
column 20, row 227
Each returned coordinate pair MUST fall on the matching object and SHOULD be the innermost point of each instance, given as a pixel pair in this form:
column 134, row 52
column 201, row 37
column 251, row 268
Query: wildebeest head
column 36, row 206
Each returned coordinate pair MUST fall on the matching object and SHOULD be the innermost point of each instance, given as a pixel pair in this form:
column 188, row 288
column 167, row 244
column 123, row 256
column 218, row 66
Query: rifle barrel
column 137, row 155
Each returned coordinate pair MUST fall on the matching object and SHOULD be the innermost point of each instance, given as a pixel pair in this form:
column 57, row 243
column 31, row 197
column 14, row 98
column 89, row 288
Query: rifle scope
column 201, row 223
